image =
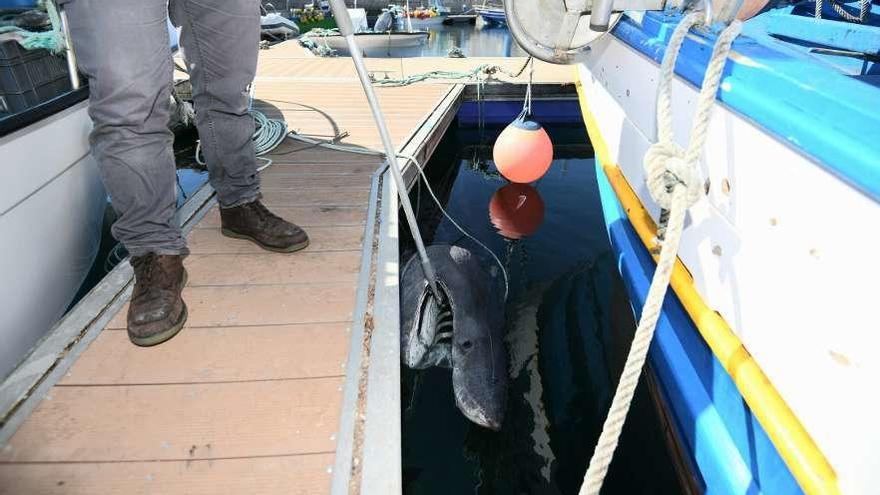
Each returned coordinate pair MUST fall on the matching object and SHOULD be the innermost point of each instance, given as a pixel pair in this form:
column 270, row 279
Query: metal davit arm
column 564, row 27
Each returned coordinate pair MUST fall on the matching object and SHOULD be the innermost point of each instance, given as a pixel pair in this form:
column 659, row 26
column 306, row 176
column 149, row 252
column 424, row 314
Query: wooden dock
column 246, row 399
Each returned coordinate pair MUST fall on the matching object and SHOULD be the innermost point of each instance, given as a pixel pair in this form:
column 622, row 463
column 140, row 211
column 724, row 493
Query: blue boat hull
column 728, row 449
column 493, row 16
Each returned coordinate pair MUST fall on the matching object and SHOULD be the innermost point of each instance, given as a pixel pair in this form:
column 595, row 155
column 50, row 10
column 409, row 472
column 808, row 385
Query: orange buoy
column 516, row 210
column 523, row 151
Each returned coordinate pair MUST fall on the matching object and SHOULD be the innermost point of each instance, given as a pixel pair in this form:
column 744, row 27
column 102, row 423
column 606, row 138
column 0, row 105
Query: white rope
column 332, row 145
column 268, row 134
column 527, row 100
column 674, row 183
column 864, row 9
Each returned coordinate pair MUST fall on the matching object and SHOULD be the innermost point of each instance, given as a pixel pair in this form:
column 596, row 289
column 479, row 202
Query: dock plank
column 273, row 268
column 180, row 422
column 304, row 216
column 235, row 354
column 303, row 182
column 321, row 239
column 317, row 197
column 292, row 475
column 288, row 165
column 263, row 305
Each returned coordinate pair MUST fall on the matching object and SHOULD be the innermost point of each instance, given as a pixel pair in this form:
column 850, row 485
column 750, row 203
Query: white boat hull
column 375, row 44
column 492, row 15
column 771, row 249
column 52, row 204
column 427, row 22
column 278, row 26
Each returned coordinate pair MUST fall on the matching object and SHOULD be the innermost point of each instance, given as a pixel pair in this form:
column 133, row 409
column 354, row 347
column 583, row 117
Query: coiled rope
column 475, row 73
column 674, row 183
column 321, row 49
column 268, row 134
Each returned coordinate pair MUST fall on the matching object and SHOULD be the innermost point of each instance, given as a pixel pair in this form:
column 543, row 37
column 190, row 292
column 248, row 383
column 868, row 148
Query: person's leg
column 122, row 47
column 220, row 40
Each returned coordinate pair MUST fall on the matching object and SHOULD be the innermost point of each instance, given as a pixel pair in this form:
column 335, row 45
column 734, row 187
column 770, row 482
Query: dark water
column 568, row 329
column 474, row 41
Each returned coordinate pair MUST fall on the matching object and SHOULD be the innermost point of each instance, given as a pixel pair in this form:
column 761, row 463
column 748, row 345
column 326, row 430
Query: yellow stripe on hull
column 807, row 463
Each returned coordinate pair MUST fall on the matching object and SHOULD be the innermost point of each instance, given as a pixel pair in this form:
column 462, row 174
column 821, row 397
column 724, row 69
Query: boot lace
column 265, row 216
column 144, row 266
column 144, row 270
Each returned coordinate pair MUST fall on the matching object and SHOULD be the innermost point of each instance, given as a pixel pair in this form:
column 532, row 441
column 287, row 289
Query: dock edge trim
column 379, row 465
column 343, row 460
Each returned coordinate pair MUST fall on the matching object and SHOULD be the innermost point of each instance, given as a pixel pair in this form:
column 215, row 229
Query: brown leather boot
column 254, row 222
column 156, row 312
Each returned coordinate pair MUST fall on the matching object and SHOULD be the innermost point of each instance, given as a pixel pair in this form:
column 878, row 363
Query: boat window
column 34, row 82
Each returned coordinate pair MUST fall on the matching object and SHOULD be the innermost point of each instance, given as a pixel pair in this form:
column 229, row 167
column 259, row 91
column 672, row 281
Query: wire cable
column 455, row 224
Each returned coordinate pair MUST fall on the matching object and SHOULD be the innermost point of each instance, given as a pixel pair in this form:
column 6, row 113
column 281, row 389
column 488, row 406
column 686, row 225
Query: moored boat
column 491, row 14
column 466, row 18
column 424, row 17
column 376, row 43
column 763, row 343
column 379, row 42
column 277, row 27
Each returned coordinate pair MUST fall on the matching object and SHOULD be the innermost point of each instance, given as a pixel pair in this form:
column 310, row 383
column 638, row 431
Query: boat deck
column 246, row 399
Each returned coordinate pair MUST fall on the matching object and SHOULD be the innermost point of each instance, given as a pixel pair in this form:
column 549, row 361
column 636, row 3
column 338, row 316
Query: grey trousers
column 122, row 47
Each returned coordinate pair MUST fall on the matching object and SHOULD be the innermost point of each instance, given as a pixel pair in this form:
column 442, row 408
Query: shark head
column 479, row 373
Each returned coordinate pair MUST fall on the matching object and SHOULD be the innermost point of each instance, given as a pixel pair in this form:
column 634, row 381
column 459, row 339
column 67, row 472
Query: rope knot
column 665, row 167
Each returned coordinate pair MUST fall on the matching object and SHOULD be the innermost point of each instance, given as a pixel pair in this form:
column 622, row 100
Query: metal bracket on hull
column 556, row 31
column 562, row 31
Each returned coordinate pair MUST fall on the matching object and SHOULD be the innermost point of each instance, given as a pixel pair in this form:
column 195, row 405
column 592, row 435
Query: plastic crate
column 29, row 77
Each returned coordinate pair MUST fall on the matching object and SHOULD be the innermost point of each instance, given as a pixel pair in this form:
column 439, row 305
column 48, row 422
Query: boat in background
column 464, row 18
column 491, row 14
column 424, row 17
column 276, row 27
column 372, row 44
column 376, row 43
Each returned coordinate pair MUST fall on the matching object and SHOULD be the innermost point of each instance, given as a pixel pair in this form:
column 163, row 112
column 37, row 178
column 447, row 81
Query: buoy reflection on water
column 516, row 210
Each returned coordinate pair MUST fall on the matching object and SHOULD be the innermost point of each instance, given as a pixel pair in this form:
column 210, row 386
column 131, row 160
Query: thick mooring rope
column 674, row 183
